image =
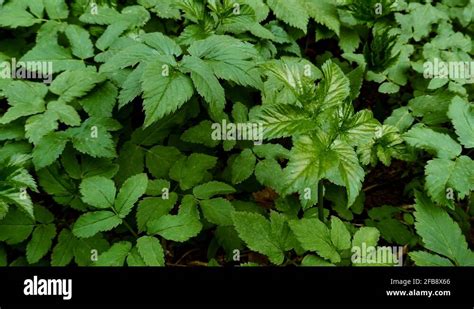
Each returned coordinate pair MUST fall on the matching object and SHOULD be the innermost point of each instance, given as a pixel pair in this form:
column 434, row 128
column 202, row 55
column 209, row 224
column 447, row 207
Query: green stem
column 130, row 228
column 125, row 223
column 321, row 200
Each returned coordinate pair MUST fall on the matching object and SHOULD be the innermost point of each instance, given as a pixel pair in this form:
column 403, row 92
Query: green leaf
column 176, row 228
column 134, row 259
column 420, row 19
column 15, row 227
column 43, row 215
column 40, row 243
column 281, row 231
column 157, row 187
column 313, row 235
column 292, row 12
column 151, row 251
column 312, row 260
column 201, row 134
column 129, row 56
column 132, row 189
column 348, row 171
column 163, row 95
column 83, row 254
column 243, row 166
column 192, row 171
column 38, row 126
column 17, row 197
column 282, row 120
column 65, row 113
column 269, row 173
column 290, row 81
column 131, row 87
column 440, row 144
column 271, row 151
column 98, row 191
column 432, row 108
column 3, row 209
column 340, row 236
column 218, row 211
column 206, row 83
column 25, row 99
column 333, row 89
column 256, row 232
column 163, row 8
column 115, row 256
column 212, row 188
column 63, row 252
column 389, row 88
column 443, row 174
column 56, row 9
column 160, row 159
column 163, row 44
column 80, row 41
column 92, row 223
column 66, row 85
column 111, row 34
column 100, row 102
column 60, row 57
column 462, row 115
column 440, row 233
column 324, row 12
column 230, row 59
column 13, row 17
column 152, row 208
column 107, row 16
column 93, row 138
column 401, row 118
column 48, row 150
column 422, row 258
column 304, row 168
column 358, row 129
column 368, row 235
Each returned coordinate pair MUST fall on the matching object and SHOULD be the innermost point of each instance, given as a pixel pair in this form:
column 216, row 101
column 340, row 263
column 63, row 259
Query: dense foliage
column 115, row 159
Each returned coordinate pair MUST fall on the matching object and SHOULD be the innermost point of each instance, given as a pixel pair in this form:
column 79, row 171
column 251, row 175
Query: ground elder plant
column 236, row 132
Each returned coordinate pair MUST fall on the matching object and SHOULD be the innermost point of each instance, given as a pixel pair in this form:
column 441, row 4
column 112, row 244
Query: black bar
column 242, row 285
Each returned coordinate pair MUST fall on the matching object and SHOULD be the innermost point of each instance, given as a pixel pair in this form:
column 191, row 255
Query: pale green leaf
column 439, row 143
column 313, row 235
column 443, row 175
column 292, row 12
column 40, row 243
column 151, row 251
column 115, row 256
column 163, row 95
column 440, row 233
column 81, row 44
column 243, row 166
column 256, row 232
column 98, row 191
column 212, row 188
column 218, row 211
column 132, row 189
column 92, row 223
column 462, row 115
column 63, row 252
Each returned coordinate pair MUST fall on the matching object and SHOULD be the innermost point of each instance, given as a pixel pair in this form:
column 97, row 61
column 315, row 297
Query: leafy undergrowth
column 235, row 132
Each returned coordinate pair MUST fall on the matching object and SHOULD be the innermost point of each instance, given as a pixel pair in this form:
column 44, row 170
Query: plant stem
column 130, row 229
column 321, row 200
